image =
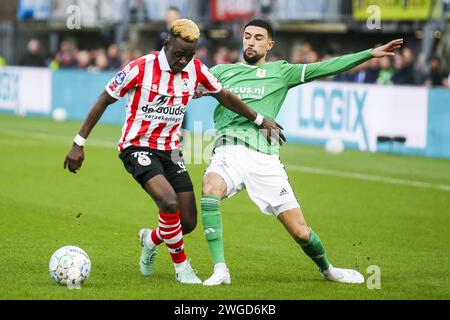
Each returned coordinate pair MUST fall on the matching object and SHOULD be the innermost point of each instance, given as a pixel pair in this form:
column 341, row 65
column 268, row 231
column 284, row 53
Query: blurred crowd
column 111, row 57
column 71, row 57
column 403, row 69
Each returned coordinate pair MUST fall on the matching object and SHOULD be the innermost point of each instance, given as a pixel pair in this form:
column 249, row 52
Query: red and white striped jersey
column 157, row 99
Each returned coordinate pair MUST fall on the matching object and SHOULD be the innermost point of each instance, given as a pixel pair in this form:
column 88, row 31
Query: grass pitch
column 394, row 214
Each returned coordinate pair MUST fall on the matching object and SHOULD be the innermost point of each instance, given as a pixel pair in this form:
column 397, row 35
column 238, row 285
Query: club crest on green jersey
column 260, row 73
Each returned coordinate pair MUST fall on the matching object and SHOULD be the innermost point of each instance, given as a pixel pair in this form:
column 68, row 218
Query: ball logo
column 144, row 160
column 120, row 78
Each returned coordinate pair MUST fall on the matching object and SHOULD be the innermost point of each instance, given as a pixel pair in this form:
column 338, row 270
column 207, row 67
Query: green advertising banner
column 392, row 9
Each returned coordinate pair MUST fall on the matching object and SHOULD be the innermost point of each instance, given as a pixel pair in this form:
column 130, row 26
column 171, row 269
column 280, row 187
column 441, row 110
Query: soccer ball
column 59, row 114
column 334, row 145
column 70, row 266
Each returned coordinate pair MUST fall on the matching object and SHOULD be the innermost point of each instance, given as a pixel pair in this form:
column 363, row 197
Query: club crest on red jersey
column 185, row 86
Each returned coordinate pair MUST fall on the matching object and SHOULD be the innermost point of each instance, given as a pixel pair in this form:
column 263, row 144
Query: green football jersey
column 264, row 88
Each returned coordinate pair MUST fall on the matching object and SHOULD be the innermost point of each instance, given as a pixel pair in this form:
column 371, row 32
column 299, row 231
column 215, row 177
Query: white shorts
column 263, row 176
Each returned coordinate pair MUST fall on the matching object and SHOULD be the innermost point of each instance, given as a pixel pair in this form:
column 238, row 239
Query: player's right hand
column 74, row 158
column 198, row 94
column 387, row 50
column 272, row 131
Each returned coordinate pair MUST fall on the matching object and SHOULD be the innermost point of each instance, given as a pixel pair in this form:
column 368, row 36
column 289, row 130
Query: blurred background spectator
column 34, row 56
column 66, row 55
column 372, row 71
column 436, row 77
column 386, row 71
column 273, row 56
column 202, row 53
column 114, row 62
column 304, row 53
column 83, row 59
column 222, row 56
column 100, row 61
column 403, row 68
column 172, row 14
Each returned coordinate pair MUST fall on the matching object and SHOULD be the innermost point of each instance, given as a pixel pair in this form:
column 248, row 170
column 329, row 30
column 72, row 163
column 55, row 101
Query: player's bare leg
column 169, row 230
column 294, row 222
column 214, row 189
column 188, row 211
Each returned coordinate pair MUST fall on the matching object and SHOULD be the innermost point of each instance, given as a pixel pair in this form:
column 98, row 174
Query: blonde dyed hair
column 185, row 29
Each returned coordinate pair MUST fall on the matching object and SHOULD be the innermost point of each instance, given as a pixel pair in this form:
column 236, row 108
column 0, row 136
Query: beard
column 252, row 60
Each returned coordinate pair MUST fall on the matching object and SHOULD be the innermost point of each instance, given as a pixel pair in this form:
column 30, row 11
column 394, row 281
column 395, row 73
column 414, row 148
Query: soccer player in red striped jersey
column 159, row 88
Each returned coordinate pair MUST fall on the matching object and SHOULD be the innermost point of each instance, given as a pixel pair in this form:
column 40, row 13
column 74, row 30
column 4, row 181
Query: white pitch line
column 321, row 171
column 54, row 137
column 366, row 177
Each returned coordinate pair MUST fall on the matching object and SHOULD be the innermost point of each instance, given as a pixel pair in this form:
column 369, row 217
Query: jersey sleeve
column 317, row 70
column 124, row 80
column 290, row 73
column 207, row 79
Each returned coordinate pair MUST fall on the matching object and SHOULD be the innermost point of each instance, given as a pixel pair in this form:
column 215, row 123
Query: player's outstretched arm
column 317, row 70
column 75, row 157
column 270, row 130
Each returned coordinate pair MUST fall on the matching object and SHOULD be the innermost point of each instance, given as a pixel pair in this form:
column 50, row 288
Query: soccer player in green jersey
column 242, row 157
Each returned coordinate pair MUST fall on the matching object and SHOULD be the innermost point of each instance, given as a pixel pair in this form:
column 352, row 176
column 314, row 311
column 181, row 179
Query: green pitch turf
column 400, row 225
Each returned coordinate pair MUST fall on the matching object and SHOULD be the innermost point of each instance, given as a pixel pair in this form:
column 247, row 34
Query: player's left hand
column 272, row 131
column 387, row 49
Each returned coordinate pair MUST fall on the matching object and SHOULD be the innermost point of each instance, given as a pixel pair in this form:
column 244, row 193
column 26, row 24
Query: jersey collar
column 252, row 66
column 248, row 65
column 164, row 64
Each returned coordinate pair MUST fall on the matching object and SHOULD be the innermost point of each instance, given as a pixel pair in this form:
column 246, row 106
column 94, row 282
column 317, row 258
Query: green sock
column 212, row 225
column 315, row 250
